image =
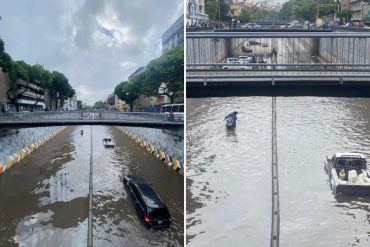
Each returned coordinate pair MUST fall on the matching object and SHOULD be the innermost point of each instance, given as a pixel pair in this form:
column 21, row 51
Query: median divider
column 23, row 152
column 167, row 159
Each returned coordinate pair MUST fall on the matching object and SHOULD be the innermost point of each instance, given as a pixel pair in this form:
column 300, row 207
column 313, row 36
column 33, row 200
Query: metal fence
column 91, row 116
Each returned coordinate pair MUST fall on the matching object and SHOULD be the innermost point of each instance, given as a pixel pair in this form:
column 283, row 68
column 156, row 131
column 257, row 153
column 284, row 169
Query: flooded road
column 229, row 172
column 44, row 199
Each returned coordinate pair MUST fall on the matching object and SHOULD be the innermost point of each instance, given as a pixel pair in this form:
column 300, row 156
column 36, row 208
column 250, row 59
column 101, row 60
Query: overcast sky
column 95, row 43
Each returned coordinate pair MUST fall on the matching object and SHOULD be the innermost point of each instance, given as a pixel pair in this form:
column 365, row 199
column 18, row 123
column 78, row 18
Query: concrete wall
column 15, row 147
column 167, row 145
column 211, row 50
column 338, row 50
column 345, row 50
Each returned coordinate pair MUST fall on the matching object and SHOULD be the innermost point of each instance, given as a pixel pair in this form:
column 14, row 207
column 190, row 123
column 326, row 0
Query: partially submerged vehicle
column 231, row 120
column 151, row 210
column 108, row 142
column 246, row 48
column 348, row 173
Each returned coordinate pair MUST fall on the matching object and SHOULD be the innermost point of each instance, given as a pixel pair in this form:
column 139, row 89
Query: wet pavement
column 44, row 198
column 229, row 172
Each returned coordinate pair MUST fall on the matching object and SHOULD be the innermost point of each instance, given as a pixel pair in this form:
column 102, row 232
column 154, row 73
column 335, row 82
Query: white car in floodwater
column 348, row 173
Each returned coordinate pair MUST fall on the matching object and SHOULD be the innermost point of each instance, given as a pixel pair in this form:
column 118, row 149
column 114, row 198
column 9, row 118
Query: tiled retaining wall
column 15, row 147
column 168, row 146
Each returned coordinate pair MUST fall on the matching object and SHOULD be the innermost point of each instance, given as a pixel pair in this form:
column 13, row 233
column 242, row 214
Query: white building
column 70, row 104
column 360, row 11
column 195, row 13
column 174, row 35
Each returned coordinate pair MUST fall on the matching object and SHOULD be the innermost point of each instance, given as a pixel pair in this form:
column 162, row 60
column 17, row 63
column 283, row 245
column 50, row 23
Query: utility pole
column 219, row 11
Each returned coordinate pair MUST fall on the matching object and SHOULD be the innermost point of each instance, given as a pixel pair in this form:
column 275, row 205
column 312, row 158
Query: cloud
column 95, row 43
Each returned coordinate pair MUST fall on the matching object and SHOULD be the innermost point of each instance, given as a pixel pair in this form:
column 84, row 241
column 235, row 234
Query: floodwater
column 229, row 172
column 44, row 199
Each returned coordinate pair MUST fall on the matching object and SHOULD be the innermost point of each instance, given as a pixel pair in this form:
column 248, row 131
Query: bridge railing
column 91, row 116
column 279, row 47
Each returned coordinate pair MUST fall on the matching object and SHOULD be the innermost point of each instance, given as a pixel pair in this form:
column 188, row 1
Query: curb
column 171, row 162
column 24, row 152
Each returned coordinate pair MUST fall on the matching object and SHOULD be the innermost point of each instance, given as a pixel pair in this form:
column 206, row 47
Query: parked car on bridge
column 236, row 64
column 251, row 26
column 175, row 108
column 348, row 173
column 151, row 210
column 245, row 59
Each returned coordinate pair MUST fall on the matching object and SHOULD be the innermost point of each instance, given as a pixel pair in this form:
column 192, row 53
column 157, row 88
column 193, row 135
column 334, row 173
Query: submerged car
column 108, row 142
column 246, row 48
column 348, row 173
column 151, row 210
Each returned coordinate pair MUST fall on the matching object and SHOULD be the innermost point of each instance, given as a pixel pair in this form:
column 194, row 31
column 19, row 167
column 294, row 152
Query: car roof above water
column 149, row 195
column 350, row 155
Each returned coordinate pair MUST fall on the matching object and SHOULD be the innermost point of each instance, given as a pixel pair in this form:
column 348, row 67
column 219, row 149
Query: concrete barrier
column 167, row 159
column 18, row 150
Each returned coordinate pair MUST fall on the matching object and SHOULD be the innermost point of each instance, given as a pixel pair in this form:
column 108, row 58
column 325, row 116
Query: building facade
column 70, row 104
column 195, row 13
column 360, row 11
column 136, row 72
column 120, row 105
column 27, row 96
column 174, row 35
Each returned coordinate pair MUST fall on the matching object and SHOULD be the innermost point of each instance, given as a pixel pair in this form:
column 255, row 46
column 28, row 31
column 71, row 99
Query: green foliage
column 2, row 49
column 253, row 14
column 165, row 73
column 110, row 100
column 345, row 14
column 128, row 92
column 306, row 9
column 19, row 70
column 39, row 74
column 212, row 9
column 5, row 61
column 99, row 105
column 59, row 83
column 245, row 16
column 79, row 104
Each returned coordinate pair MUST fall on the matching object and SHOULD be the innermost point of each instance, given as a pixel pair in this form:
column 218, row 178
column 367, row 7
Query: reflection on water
column 44, row 199
column 228, row 172
column 238, row 166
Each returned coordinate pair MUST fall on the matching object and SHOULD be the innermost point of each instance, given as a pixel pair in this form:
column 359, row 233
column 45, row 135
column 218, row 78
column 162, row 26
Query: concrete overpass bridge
column 296, row 63
column 135, row 119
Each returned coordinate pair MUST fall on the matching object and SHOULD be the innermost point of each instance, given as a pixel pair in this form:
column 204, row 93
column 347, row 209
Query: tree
column 165, row 75
column 19, row 70
column 99, row 105
column 110, row 99
column 5, row 61
column 345, row 14
column 2, row 45
column 244, row 16
column 212, row 9
column 60, row 88
column 41, row 77
column 79, row 104
column 128, row 92
column 306, row 9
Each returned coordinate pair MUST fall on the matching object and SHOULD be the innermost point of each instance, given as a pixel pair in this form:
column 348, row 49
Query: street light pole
column 219, row 11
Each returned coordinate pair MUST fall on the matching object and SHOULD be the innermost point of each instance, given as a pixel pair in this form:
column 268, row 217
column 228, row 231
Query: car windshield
column 354, row 163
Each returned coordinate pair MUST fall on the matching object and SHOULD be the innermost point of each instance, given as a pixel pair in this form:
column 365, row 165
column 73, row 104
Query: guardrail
column 138, row 119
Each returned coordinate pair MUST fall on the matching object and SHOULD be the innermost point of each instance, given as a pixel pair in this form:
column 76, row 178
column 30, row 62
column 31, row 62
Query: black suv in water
column 149, row 206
